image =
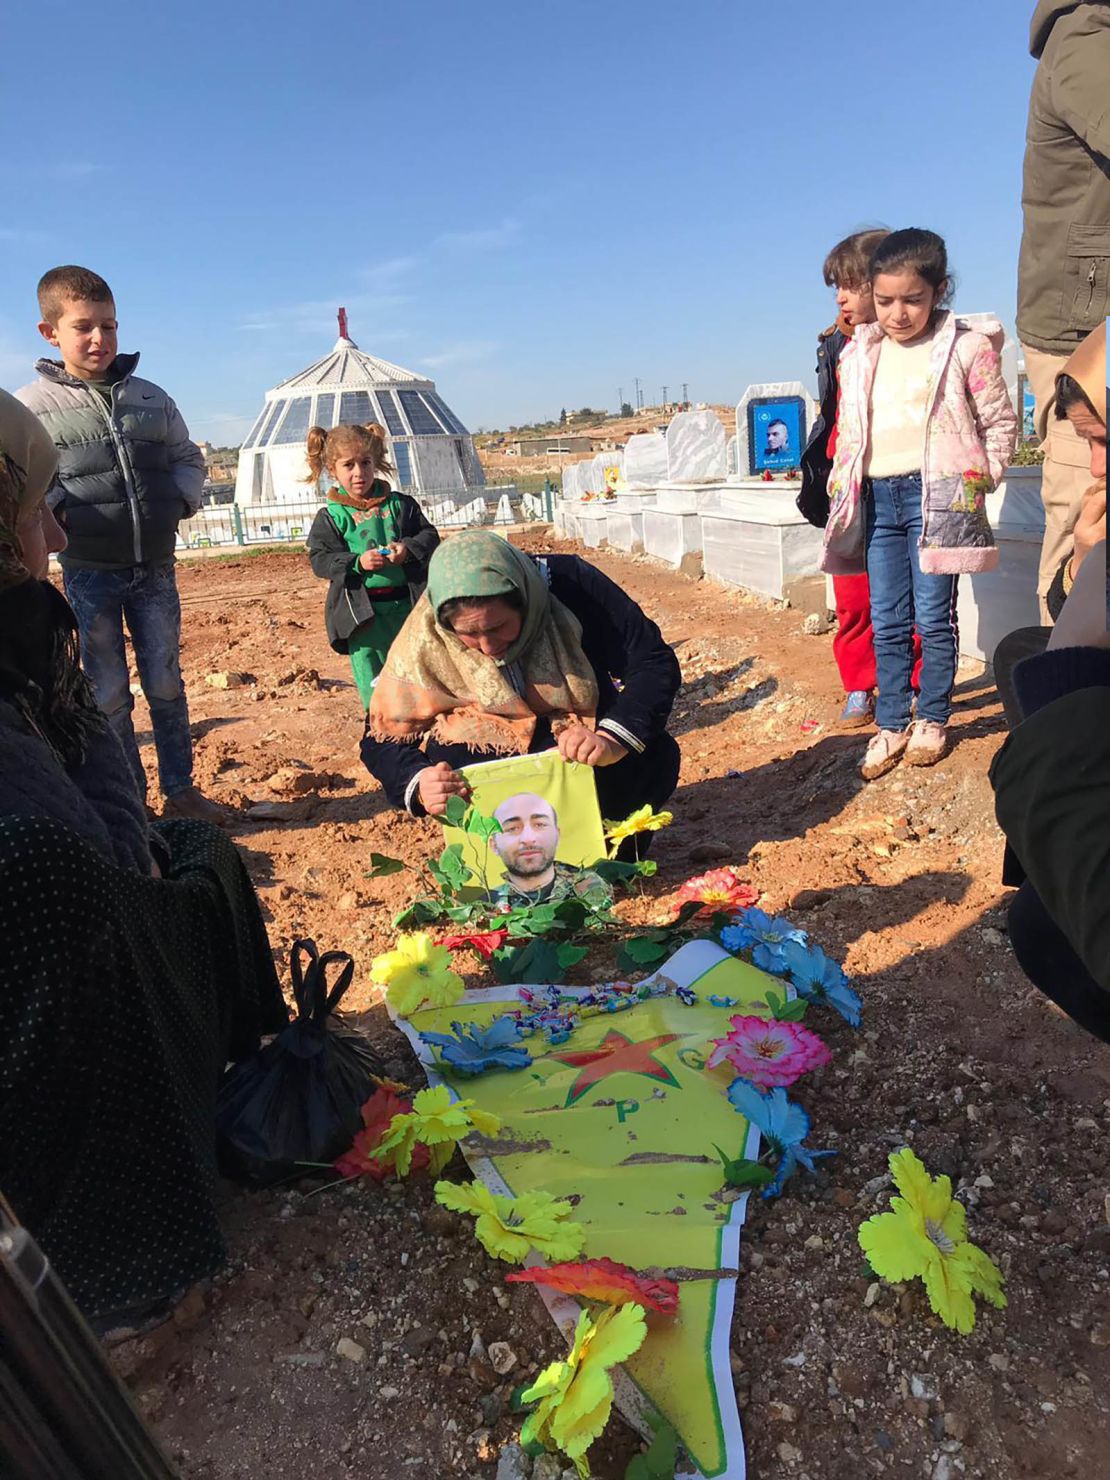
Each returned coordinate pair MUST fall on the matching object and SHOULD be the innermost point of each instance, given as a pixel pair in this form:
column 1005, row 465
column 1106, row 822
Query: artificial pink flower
column 720, row 891
column 769, row 1053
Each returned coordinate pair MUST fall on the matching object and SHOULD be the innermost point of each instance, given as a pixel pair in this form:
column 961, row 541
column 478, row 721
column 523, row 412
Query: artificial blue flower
column 764, row 936
column 782, row 1124
column 818, row 979
column 472, row 1049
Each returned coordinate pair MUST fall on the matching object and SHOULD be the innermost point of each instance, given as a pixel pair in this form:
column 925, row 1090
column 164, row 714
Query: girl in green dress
column 370, row 542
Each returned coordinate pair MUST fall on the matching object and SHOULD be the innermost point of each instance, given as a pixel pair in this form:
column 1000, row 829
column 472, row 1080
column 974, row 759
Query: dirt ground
column 957, row 1056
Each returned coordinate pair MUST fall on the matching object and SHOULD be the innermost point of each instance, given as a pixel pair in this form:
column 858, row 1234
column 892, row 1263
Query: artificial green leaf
column 613, row 871
column 420, row 912
column 451, row 873
column 744, row 1173
column 568, row 954
column 687, row 912
column 570, row 914
column 454, row 814
column 660, row 1459
column 535, row 961
column 381, row 866
column 793, row 1012
column 480, row 825
column 640, row 951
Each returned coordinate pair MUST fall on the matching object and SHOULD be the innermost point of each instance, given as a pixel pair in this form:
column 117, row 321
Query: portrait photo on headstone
column 776, row 433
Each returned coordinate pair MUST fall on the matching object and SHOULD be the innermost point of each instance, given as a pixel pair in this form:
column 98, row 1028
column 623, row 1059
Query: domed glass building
column 429, row 446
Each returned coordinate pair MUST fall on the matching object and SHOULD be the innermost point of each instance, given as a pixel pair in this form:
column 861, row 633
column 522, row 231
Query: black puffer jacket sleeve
column 622, row 644
column 327, row 549
column 395, row 766
column 420, row 538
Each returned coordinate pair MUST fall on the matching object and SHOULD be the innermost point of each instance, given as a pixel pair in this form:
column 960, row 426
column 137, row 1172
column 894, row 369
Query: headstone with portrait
column 772, row 423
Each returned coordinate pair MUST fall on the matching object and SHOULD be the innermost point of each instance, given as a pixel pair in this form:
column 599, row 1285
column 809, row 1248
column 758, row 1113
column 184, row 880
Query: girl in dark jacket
column 509, row 654
column 370, row 542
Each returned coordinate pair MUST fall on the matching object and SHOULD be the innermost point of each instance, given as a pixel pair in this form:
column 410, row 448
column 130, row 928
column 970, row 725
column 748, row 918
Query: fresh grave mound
column 621, row 1121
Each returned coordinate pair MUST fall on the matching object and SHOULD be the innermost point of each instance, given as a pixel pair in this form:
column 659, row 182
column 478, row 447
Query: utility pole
column 685, row 396
column 664, row 397
column 639, row 394
column 620, row 398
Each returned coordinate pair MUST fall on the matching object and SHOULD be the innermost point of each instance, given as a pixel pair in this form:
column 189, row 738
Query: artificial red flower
column 485, row 942
column 720, row 891
column 603, row 1279
column 377, row 1115
column 768, row 476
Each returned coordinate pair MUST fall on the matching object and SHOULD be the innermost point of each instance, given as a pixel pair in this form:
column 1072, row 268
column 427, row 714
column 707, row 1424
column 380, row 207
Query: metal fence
column 279, row 523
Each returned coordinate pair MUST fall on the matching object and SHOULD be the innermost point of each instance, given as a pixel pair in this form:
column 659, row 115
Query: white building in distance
column 429, row 446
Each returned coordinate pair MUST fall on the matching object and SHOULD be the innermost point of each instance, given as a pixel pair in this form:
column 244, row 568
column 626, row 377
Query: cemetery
column 334, row 1293
column 700, row 501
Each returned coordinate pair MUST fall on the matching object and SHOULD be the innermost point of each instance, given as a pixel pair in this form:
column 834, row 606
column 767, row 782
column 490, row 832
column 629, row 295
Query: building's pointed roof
column 347, row 367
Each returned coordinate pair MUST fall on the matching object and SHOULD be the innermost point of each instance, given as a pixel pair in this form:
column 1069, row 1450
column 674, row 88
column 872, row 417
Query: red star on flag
column 616, row 1054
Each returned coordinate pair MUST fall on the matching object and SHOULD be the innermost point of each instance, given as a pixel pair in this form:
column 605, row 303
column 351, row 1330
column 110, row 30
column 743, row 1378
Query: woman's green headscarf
column 478, row 565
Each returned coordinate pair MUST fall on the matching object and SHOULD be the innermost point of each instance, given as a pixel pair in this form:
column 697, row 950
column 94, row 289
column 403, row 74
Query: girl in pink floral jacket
column 924, row 432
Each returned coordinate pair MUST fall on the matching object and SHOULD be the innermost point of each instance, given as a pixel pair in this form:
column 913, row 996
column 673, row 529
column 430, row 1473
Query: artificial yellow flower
column 510, row 1227
column 925, row 1237
column 641, row 821
column 436, row 1122
column 574, row 1398
column 417, row 971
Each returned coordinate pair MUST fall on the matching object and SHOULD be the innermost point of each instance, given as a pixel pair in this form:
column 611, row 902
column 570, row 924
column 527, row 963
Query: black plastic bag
column 297, row 1100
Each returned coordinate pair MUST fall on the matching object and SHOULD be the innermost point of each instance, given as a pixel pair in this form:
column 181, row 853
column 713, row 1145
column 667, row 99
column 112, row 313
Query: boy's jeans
column 147, row 597
column 902, row 596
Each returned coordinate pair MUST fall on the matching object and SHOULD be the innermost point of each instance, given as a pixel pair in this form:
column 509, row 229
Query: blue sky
column 531, row 204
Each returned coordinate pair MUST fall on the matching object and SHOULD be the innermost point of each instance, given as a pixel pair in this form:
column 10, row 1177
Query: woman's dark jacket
column 637, row 674
column 813, row 500
column 350, row 603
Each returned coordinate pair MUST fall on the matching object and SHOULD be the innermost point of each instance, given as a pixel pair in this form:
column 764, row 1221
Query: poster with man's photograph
column 550, row 829
column 776, row 433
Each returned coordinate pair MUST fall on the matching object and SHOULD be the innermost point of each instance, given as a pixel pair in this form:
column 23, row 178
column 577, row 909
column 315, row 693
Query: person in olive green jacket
column 1064, row 269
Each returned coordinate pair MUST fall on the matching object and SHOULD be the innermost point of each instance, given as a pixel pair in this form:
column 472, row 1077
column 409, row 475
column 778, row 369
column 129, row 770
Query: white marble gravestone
column 696, row 448
column 730, row 456
column 504, row 513
column 745, row 467
column 472, row 513
column 645, row 460
column 757, row 539
column 993, row 603
column 625, row 529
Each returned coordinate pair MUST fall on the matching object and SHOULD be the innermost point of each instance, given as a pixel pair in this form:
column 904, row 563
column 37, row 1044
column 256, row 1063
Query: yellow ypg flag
column 624, row 1117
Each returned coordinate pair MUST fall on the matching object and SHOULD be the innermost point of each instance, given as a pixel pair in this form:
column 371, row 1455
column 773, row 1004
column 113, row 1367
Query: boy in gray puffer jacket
column 127, row 475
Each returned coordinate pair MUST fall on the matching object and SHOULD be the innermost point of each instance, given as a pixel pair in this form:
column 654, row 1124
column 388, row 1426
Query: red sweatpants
column 853, row 646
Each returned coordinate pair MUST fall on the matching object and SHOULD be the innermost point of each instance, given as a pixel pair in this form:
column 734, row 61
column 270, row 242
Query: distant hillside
column 502, row 465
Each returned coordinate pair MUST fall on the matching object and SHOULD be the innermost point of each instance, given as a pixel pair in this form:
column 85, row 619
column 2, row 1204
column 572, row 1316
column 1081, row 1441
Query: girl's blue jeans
column 902, row 595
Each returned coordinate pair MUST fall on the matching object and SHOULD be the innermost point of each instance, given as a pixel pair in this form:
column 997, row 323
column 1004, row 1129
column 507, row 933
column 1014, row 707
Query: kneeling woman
column 509, row 654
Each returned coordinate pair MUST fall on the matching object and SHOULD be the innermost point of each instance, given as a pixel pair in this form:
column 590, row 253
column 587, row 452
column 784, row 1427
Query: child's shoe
column 884, row 751
column 928, row 743
column 859, row 710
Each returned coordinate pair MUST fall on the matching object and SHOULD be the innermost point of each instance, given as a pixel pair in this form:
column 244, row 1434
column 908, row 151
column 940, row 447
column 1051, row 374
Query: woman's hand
column 372, row 560
column 436, row 784
column 591, row 747
column 1090, row 528
column 1082, row 619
